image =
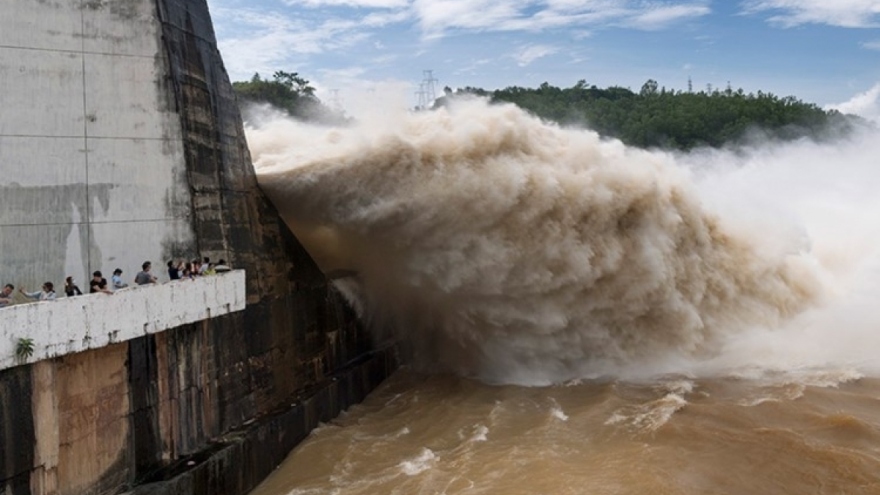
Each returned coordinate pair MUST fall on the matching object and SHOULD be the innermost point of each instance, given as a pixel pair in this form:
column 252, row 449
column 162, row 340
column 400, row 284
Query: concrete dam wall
column 120, row 142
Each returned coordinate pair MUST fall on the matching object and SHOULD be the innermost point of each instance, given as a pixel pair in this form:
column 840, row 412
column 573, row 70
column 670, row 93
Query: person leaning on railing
column 116, row 280
column 6, row 295
column 98, row 284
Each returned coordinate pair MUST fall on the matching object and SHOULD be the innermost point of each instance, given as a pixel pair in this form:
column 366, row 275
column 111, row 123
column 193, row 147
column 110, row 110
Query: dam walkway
column 42, row 330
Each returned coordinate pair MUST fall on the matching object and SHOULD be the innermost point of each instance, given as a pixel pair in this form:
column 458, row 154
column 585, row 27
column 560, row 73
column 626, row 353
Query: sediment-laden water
column 806, row 433
column 582, row 317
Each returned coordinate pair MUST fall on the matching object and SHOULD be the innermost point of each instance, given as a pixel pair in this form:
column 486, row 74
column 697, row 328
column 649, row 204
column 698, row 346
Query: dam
column 121, row 142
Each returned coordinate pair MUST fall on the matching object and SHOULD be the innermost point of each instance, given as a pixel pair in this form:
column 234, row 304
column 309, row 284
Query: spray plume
column 495, row 245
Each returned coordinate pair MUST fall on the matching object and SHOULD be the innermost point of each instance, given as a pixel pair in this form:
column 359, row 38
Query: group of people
column 190, row 269
column 176, row 271
column 46, row 294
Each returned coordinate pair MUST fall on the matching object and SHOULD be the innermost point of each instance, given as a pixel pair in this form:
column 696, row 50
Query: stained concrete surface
column 122, row 119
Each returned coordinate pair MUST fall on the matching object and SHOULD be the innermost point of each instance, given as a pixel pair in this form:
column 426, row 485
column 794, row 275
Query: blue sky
column 822, row 51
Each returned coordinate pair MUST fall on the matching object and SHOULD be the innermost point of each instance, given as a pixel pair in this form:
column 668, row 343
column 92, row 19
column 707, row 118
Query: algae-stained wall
column 127, row 145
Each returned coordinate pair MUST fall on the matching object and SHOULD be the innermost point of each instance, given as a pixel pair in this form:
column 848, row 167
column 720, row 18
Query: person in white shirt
column 205, row 265
column 116, row 280
column 47, row 294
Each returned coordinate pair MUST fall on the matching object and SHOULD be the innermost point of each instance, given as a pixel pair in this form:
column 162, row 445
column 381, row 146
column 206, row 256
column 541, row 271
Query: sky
column 821, row 51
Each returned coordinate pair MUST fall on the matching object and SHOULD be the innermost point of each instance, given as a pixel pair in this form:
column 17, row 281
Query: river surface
column 580, row 317
column 797, row 433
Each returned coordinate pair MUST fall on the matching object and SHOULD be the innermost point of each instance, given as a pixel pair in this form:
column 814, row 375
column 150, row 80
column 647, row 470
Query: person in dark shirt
column 99, row 284
column 70, row 287
column 174, row 270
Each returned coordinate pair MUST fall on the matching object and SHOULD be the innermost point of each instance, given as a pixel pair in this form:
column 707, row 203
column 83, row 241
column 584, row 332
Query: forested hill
column 657, row 118
column 651, row 118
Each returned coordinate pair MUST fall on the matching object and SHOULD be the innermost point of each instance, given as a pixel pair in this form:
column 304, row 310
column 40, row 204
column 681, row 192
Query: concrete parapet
column 75, row 324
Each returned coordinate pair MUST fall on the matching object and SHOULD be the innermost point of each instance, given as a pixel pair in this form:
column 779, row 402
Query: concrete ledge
column 75, row 324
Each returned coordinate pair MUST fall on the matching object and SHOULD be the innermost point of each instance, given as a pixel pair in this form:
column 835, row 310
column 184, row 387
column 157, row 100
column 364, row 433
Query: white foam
column 423, row 462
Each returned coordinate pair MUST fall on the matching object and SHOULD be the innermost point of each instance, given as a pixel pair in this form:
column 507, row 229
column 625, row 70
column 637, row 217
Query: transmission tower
column 426, row 93
column 428, row 82
column 420, row 96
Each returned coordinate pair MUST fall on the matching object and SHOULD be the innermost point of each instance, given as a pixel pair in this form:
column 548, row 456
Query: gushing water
column 497, row 246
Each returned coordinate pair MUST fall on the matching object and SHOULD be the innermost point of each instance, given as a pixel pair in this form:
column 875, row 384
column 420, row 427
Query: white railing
column 74, row 324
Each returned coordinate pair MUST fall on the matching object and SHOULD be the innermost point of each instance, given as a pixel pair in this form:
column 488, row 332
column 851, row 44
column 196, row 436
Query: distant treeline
column 652, row 118
column 658, row 118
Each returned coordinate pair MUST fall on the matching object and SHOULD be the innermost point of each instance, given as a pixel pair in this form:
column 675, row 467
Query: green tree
column 290, row 92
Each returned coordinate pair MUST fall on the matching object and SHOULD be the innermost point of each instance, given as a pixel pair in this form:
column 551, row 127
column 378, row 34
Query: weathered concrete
column 92, row 171
column 121, row 141
column 159, row 410
column 74, row 324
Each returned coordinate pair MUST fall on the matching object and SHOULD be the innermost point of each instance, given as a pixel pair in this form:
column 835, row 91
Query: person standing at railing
column 70, row 287
column 206, row 264
column 196, row 267
column 6, row 295
column 47, row 294
column 99, row 284
column 116, row 280
column 174, row 270
column 144, row 276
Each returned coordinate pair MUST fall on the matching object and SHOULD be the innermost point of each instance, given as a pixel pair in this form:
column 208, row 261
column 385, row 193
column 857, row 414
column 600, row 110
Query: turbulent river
column 582, row 317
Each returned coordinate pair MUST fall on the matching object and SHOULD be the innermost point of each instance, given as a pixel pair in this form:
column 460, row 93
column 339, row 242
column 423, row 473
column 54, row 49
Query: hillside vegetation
column 657, row 118
column 652, row 118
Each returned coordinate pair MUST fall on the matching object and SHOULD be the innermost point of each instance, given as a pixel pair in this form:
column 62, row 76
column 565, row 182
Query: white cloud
column 660, row 16
column 533, row 52
column 472, row 67
column 369, row 4
column 381, row 19
column 255, row 41
column 435, row 17
column 865, row 104
column 257, row 38
column 843, row 13
column 872, row 45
